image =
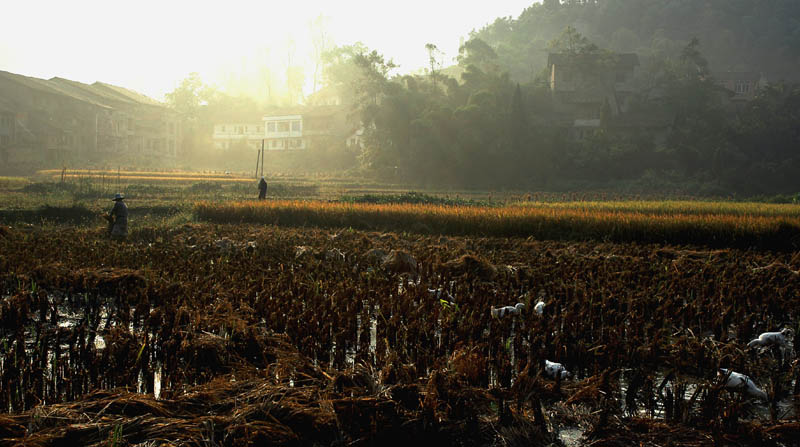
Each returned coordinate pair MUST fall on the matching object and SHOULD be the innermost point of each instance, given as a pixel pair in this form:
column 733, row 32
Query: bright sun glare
column 151, row 45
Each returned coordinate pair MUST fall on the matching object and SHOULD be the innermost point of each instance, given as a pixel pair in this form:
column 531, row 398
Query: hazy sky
column 151, row 45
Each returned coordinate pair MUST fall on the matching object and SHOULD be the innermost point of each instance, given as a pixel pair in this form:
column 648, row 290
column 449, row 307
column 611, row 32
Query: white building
column 227, row 135
column 284, row 132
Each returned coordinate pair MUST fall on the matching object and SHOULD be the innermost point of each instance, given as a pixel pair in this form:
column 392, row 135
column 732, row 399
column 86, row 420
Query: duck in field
column 539, row 307
column 500, row 312
column 737, row 381
column 772, row 338
column 553, row 369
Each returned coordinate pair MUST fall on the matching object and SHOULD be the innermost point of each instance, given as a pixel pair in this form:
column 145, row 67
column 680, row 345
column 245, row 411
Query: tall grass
column 676, row 207
column 156, row 178
column 13, row 182
column 780, row 230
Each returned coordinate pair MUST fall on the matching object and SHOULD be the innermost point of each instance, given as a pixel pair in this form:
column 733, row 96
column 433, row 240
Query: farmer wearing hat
column 118, row 218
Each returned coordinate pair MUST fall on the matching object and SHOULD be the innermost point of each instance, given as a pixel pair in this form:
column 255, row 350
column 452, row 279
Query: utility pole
column 263, row 154
column 259, row 156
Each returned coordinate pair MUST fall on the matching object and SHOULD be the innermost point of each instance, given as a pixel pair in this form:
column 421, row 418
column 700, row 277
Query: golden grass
column 13, row 182
column 108, row 173
column 675, row 207
column 694, row 226
column 157, row 179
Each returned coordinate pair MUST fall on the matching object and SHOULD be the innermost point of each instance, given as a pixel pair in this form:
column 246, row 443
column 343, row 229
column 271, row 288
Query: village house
column 743, row 84
column 284, row 132
column 229, row 135
column 58, row 120
column 590, row 90
column 581, row 84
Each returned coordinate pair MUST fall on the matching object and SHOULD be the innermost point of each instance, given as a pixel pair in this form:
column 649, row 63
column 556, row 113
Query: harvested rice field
column 233, row 334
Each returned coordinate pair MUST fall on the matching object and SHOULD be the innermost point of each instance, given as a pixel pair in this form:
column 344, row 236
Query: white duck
column 738, row 381
column 771, row 338
column 553, row 369
column 539, row 307
column 500, row 312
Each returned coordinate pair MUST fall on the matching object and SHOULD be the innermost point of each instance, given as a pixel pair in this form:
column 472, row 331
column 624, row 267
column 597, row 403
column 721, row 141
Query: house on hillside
column 581, row 84
column 743, row 84
column 327, row 96
column 59, row 119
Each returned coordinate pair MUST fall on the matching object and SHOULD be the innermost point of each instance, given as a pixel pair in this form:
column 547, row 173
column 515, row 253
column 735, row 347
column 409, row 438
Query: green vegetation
column 496, row 123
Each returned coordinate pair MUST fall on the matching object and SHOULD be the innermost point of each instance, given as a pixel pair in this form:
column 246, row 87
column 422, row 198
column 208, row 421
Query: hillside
column 735, row 35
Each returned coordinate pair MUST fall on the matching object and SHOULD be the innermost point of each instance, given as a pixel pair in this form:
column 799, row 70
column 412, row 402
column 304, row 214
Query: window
column 258, row 129
column 620, row 77
column 271, row 127
column 295, row 126
column 245, row 128
column 742, row 87
column 222, row 128
column 274, row 142
column 283, row 127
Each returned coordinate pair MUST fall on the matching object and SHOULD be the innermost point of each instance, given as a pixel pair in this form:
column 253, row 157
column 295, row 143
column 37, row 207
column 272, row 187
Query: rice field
column 675, row 208
column 148, row 177
column 227, row 321
column 251, row 334
column 716, row 224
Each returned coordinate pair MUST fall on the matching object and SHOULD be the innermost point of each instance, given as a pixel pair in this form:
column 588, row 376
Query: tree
column 477, row 52
column 571, row 42
column 320, row 43
column 433, row 59
column 187, row 100
column 694, row 63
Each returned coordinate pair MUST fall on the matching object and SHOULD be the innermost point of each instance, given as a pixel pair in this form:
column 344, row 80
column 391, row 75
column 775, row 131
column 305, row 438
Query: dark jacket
column 262, row 189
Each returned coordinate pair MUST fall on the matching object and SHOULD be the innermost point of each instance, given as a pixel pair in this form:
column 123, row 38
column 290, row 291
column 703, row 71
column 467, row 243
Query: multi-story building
column 284, row 132
column 291, row 129
column 59, row 119
column 229, row 135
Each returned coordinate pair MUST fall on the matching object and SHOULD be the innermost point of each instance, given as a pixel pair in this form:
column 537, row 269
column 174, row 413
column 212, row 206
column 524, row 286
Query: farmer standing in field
column 262, row 189
column 118, row 218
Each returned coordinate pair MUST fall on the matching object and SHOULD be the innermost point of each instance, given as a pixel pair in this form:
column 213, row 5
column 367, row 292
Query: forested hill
column 735, row 35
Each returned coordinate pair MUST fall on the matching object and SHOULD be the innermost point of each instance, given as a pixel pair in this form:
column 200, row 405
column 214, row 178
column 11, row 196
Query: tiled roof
column 98, row 94
column 33, row 83
column 127, row 94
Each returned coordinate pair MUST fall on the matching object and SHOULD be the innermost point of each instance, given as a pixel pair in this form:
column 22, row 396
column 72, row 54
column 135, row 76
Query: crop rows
column 177, row 309
column 780, row 230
